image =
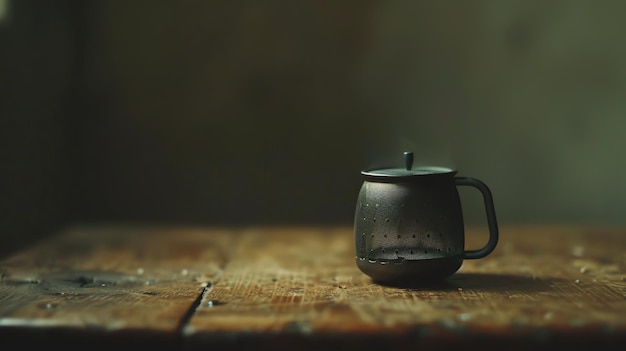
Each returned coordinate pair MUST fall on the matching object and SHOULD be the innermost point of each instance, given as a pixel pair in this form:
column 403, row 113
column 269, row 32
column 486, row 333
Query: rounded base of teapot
column 410, row 271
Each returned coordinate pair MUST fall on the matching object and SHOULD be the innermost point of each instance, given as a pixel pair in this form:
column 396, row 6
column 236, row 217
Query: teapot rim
column 391, row 174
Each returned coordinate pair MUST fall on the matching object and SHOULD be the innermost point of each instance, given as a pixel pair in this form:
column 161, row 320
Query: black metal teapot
column 408, row 225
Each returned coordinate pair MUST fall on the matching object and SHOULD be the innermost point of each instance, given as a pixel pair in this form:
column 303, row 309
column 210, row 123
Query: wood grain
column 109, row 281
column 541, row 287
column 299, row 288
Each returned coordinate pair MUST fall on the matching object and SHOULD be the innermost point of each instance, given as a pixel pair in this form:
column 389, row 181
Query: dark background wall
column 247, row 112
column 37, row 61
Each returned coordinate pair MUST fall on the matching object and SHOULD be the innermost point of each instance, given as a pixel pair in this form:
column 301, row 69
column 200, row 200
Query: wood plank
column 300, row 288
column 109, row 281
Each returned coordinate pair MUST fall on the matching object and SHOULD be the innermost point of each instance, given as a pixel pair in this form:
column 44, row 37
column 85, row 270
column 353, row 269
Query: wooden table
column 124, row 287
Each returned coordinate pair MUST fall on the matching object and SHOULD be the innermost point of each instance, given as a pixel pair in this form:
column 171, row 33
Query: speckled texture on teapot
column 408, row 221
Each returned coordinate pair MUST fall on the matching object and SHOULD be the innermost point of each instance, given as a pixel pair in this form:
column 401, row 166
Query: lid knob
column 408, row 160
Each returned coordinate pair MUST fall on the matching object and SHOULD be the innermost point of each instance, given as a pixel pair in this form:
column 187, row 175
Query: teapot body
column 409, row 230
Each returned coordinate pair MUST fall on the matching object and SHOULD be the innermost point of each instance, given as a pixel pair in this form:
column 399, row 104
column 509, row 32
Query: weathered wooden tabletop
column 298, row 288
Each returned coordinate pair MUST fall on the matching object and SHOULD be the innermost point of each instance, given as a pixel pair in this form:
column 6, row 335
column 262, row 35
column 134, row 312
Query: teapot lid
column 391, row 174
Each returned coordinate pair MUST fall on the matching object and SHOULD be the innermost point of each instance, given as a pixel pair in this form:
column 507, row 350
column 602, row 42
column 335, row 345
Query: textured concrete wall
column 36, row 64
column 267, row 111
column 528, row 95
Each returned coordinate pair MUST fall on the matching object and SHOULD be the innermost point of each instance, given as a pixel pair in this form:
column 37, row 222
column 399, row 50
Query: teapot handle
column 491, row 217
